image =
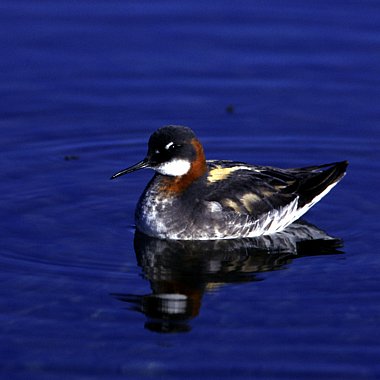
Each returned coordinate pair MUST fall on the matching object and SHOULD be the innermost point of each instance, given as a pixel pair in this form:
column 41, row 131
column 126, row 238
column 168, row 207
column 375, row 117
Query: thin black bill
column 140, row 165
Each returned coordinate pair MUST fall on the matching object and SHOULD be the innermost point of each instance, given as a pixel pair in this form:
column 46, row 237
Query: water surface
column 83, row 84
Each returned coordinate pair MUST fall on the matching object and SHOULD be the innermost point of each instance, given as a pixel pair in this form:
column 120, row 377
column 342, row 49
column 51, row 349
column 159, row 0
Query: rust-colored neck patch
column 197, row 169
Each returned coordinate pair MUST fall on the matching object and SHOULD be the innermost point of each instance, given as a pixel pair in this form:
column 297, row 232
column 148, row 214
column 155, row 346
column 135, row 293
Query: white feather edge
column 272, row 222
column 277, row 220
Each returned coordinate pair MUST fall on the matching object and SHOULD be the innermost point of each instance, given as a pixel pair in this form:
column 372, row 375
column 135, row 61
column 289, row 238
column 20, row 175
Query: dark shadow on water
column 180, row 272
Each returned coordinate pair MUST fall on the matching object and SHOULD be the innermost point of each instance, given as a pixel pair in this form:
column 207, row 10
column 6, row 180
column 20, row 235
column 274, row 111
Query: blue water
column 82, row 86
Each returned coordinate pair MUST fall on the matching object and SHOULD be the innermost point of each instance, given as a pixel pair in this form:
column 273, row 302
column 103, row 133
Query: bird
column 191, row 198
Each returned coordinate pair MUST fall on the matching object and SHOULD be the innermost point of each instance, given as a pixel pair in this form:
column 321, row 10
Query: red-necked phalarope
column 190, row 198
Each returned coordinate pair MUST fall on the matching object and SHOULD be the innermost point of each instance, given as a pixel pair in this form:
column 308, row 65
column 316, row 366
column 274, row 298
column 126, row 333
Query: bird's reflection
column 180, row 272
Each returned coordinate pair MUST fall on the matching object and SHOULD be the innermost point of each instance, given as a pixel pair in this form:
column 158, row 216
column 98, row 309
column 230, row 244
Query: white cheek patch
column 174, row 167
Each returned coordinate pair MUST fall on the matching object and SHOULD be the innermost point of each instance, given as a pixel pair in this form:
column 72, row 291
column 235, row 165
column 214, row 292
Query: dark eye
column 171, row 146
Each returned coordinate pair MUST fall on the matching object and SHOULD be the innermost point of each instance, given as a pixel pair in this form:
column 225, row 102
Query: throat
column 175, row 168
column 197, row 169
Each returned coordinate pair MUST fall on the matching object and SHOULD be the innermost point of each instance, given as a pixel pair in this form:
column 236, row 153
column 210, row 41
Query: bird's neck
column 197, row 169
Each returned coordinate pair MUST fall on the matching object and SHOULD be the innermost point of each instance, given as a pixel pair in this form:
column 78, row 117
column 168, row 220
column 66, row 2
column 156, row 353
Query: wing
column 257, row 190
column 248, row 189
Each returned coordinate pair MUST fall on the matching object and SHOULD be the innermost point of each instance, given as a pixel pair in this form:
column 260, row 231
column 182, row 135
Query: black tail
column 313, row 180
